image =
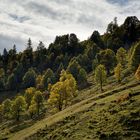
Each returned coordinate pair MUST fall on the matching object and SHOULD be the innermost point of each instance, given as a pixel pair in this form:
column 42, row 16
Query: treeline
column 43, row 66
column 51, row 77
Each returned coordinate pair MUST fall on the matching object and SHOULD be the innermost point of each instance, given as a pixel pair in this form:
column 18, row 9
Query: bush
column 123, row 98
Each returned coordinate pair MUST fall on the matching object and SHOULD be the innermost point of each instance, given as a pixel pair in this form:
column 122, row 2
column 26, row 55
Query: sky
column 43, row 20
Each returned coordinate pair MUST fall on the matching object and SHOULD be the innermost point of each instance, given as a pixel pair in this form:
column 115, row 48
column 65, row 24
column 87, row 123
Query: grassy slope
column 105, row 120
column 96, row 116
column 102, row 119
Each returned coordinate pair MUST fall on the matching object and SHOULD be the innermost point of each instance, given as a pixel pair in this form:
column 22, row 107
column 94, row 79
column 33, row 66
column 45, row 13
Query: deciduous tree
column 135, row 58
column 100, row 75
column 38, row 102
column 18, row 107
column 137, row 74
column 29, row 93
column 62, row 91
column 6, row 107
column 118, row 72
column 107, row 58
column 39, row 82
column 121, row 56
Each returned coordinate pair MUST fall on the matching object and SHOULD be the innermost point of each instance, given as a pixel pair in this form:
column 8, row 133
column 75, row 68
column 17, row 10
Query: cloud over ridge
column 44, row 19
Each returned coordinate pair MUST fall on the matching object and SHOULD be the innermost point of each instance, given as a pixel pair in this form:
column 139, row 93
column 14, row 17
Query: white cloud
column 44, row 19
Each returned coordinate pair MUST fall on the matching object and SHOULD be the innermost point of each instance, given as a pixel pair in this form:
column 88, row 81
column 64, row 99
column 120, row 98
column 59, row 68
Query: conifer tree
column 12, row 82
column 48, row 78
column 5, row 60
column 29, row 78
column 82, row 77
column 73, row 68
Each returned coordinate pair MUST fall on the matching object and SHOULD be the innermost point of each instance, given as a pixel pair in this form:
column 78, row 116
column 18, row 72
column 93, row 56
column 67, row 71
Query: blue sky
column 42, row 20
column 120, row 2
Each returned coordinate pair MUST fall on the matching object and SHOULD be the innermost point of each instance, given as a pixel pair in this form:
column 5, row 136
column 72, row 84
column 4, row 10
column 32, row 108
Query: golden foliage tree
column 32, row 109
column 121, row 56
column 63, row 91
column 6, row 107
column 29, row 93
column 39, row 82
column 18, row 107
column 100, row 75
column 117, row 72
column 36, row 103
column 137, row 74
column 135, row 57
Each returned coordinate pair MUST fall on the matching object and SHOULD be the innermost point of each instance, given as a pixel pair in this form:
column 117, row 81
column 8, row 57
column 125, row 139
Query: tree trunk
column 31, row 115
column 18, row 115
column 108, row 71
column 38, row 106
column 60, row 107
column 101, row 85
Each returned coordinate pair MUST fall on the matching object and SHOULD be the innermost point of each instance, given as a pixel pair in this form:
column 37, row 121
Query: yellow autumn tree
column 121, row 56
column 29, row 93
column 100, row 75
column 39, row 82
column 118, row 72
column 6, row 105
column 32, row 109
column 18, row 107
column 37, row 104
column 63, row 91
column 137, row 74
column 69, row 82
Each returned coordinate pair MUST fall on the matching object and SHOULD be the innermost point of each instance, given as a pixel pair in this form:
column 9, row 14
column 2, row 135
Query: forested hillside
column 35, row 84
column 28, row 68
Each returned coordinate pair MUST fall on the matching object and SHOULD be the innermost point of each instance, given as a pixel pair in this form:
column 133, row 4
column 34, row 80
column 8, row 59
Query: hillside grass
column 92, row 115
column 104, row 120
